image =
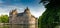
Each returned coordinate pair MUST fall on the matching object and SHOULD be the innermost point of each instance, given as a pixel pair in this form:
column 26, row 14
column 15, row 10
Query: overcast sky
column 7, row 5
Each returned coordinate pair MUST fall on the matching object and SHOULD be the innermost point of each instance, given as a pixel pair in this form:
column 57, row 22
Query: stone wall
column 24, row 18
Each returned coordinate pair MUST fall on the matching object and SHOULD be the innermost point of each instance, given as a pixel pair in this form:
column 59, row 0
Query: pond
column 17, row 26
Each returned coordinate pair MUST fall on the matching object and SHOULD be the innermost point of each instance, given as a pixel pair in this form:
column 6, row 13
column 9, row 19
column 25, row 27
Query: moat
column 15, row 26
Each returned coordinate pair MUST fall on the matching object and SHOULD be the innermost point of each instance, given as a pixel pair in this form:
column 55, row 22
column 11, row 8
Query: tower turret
column 27, row 11
column 12, row 15
column 13, row 12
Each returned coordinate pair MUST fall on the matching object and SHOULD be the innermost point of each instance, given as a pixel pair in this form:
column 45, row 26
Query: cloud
column 37, row 13
column 1, row 1
column 35, row 9
column 7, row 9
column 3, row 11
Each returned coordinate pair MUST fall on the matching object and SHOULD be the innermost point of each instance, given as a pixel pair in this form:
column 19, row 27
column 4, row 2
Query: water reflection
column 17, row 26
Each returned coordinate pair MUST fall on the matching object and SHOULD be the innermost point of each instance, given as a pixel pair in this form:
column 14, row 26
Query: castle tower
column 12, row 15
column 27, row 12
column 13, row 12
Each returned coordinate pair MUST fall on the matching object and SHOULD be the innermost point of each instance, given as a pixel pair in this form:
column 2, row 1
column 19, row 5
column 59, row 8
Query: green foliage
column 51, row 17
column 4, row 19
column 39, row 22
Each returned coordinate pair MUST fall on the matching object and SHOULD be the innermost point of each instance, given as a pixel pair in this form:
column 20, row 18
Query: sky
column 36, row 9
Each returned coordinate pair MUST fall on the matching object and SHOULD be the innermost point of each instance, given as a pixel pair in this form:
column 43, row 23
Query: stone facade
column 25, row 18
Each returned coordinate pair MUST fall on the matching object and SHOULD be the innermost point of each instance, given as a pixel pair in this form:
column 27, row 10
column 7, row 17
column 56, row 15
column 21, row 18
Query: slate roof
column 20, row 14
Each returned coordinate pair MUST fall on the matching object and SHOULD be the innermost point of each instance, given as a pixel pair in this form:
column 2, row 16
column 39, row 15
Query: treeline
column 4, row 19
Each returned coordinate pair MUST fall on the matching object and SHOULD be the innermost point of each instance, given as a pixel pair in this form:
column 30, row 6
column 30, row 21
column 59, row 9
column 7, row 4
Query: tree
column 4, row 19
column 51, row 17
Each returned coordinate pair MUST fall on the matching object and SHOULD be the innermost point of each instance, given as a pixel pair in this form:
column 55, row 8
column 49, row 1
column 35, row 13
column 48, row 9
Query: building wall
column 26, row 19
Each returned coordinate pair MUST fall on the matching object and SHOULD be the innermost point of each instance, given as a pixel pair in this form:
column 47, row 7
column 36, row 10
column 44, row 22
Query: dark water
column 13, row 26
column 17, row 26
column 21, row 26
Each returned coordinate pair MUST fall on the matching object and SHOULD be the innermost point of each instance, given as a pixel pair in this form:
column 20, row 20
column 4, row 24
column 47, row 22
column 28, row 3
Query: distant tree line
column 4, row 19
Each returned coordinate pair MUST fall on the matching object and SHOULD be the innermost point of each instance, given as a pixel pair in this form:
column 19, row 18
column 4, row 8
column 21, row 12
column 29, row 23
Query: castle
column 24, row 18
